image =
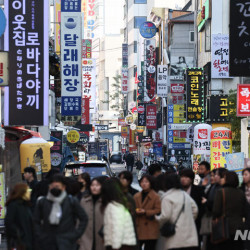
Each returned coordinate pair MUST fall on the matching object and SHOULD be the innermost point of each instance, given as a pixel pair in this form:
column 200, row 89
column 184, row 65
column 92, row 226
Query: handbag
column 206, row 225
column 168, row 228
column 220, row 226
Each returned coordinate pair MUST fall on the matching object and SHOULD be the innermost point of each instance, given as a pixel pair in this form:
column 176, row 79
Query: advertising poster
column 236, row 162
column 71, row 45
column 151, row 117
column 179, row 64
column 150, row 72
column 195, row 95
column 2, row 199
column 162, row 80
column 103, row 149
column 35, row 152
column 239, row 46
column 89, row 82
column 157, row 150
column 87, row 48
column 26, row 99
column 56, row 150
column 92, row 150
column 220, row 56
column 57, row 26
column 221, row 145
column 243, row 100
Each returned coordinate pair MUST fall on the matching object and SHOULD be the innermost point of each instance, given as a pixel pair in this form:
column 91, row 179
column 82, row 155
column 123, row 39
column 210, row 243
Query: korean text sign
column 27, row 42
column 151, row 117
column 89, row 82
column 141, row 114
column 243, row 100
column 220, row 56
column 162, row 80
column 124, row 68
column 86, row 48
column 219, row 108
column 221, row 145
column 71, row 57
column 239, row 38
column 195, row 95
column 85, row 111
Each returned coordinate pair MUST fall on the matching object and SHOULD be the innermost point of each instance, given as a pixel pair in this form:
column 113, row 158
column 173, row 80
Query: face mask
column 56, row 192
column 202, row 175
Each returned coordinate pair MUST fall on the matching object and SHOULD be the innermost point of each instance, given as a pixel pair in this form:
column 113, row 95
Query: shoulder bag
column 168, row 228
column 220, row 228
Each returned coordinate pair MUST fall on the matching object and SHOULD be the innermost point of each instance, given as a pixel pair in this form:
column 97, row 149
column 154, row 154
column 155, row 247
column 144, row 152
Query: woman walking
column 84, row 181
column 230, row 202
column 119, row 233
column 18, row 221
column 91, row 239
column 179, row 208
column 148, row 205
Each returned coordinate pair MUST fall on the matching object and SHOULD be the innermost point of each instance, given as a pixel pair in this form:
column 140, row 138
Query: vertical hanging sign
column 86, row 48
column 195, row 95
column 57, row 26
column 124, row 68
column 26, row 100
column 162, row 80
column 151, row 117
column 150, row 72
column 71, row 57
column 89, row 82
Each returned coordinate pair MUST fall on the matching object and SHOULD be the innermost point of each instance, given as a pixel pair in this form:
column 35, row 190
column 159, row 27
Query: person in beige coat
column 172, row 203
column 92, row 238
column 148, row 204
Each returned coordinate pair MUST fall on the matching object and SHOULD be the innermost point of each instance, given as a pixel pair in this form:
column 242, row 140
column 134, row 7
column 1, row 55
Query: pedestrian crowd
column 102, row 213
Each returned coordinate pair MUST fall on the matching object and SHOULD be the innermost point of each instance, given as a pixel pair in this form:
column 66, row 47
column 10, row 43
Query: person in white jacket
column 185, row 236
column 119, row 232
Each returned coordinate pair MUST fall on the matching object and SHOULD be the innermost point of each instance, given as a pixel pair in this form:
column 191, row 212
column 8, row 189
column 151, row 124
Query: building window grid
column 138, row 20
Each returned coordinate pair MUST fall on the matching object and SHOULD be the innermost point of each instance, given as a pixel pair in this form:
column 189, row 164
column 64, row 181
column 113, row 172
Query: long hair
column 17, row 193
column 112, row 191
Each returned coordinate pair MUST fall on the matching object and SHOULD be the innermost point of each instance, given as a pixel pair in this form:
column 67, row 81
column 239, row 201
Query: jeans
column 130, row 168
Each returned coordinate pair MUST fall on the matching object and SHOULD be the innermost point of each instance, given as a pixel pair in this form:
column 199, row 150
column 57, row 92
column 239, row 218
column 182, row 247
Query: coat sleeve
column 166, row 212
column 194, row 207
column 82, row 217
column 156, row 209
column 10, row 220
column 218, row 203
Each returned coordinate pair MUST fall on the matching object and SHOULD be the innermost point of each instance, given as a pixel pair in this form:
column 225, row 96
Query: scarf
column 56, row 211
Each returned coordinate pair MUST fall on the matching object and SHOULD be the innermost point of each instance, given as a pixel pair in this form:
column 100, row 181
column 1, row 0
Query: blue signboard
column 179, row 146
column 148, row 30
column 2, row 22
column 103, row 149
column 71, row 6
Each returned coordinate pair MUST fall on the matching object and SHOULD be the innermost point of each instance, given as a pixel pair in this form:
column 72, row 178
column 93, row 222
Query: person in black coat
column 130, row 160
column 196, row 193
column 56, row 217
column 18, row 220
column 126, row 179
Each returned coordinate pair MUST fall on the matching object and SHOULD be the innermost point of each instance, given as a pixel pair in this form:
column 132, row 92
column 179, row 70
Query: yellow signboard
column 179, row 120
column 179, row 108
column 36, row 155
column 179, row 140
column 73, row 136
column 220, row 125
column 179, row 114
column 57, row 26
column 2, row 196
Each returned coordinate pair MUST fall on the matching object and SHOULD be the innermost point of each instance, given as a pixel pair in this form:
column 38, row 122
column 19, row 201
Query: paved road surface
column 117, row 168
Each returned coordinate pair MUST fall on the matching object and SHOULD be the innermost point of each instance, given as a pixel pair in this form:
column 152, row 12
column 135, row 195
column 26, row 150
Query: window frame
column 140, row 3
column 139, row 17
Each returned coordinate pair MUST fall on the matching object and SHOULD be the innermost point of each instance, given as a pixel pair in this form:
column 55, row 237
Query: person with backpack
column 59, row 220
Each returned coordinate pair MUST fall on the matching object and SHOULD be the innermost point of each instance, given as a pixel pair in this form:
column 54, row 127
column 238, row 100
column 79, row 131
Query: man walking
column 56, row 218
column 130, row 160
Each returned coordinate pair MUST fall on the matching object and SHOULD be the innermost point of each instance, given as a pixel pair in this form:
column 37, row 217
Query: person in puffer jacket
column 119, row 232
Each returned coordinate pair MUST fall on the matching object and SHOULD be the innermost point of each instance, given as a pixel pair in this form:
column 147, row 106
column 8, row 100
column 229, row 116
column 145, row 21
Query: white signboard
column 220, row 56
column 202, row 138
column 71, row 62
column 179, row 126
column 89, row 82
column 162, row 80
column 3, row 68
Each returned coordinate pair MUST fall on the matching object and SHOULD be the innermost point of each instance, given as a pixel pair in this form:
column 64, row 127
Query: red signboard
column 243, row 100
column 177, row 88
column 141, row 109
column 122, row 122
column 202, row 134
column 151, row 117
column 85, row 111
